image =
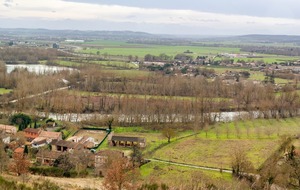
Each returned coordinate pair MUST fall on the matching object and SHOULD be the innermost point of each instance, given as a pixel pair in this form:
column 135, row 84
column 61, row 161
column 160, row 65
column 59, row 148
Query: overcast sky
column 196, row 17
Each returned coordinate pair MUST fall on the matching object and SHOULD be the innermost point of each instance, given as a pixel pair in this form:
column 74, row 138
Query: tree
column 3, row 157
column 168, row 133
column 109, row 123
column 119, row 176
column 64, row 162
column 26, row 150
column 295, row 169
column 20, row 119
column 20, row 164
column 239, row 162
column 136, row 156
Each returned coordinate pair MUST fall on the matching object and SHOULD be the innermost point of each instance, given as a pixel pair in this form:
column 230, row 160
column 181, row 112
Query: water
column 39, row 69
column 218, row 116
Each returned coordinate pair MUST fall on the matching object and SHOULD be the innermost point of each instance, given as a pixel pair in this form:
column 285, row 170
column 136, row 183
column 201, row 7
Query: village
column 43, row 146
column 204, row 66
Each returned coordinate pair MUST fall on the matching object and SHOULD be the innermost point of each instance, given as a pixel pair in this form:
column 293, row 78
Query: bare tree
column 169, row 133
column 239, row 162
column 119, row 175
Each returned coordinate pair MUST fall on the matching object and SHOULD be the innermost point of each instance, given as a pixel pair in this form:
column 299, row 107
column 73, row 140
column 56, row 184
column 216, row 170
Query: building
column 8, row 129
column 88, row 142
column 39, row 142
column 31, row 133
column 46, row 157
column 44, row 137
column 126, row 141
column 19, row 151
column 51, row 135
column 65, row 146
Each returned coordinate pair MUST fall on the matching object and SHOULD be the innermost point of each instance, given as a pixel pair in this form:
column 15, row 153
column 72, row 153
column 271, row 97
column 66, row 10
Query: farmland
column 157, row 50
column 213, row 148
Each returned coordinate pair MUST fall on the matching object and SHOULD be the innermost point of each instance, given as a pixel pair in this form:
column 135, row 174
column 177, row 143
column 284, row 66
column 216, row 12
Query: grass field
column 119, row 64
column 176, row 175
column 259, row 138
column 5, row 91
column 67, row 63
column 260, row 76
column 157, row 50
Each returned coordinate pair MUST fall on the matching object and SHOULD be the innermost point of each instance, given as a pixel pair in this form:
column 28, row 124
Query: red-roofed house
column 31, row 133
column 19, row 151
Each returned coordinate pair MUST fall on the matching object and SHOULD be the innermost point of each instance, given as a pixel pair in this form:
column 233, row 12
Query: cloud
column 8, row 3
column 52, row 10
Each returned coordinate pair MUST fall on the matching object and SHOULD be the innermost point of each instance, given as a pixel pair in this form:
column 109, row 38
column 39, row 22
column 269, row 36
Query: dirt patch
column 65, row 183
column 97, row 135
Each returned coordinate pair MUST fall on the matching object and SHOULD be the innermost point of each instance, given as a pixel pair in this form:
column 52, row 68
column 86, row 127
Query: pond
column 39, row 69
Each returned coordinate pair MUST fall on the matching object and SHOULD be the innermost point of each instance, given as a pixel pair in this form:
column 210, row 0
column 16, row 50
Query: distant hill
column 74, row 34
column 141, row 37
column 259, row 38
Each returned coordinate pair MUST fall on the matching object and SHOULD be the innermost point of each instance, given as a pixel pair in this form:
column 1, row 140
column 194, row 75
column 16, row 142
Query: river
column 39, row 69
column 217, row 116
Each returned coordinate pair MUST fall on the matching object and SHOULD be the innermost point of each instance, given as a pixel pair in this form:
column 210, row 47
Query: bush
column 57, row 172
column 47, row 171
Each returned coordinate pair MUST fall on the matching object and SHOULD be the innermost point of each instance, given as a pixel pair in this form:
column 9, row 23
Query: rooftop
column 49, row 134
column 129, row 139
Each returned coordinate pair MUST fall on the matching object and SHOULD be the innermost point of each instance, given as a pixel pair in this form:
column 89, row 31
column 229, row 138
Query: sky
column 179, row 17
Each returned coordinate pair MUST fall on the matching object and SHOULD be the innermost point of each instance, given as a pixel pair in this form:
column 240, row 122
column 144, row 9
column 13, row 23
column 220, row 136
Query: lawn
column 5, row 91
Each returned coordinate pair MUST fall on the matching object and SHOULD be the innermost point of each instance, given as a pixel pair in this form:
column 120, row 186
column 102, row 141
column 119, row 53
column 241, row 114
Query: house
column 126, row 141
column 31, row 133
column 51, row 135
column 63, row 146
column 19, row 151
column 39, row 142
column 104, row 158
column 88, row 142
column 8, row 129
column 44, row 137
column 46, row 157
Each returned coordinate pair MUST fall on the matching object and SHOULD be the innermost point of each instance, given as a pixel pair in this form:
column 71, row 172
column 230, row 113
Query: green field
column 142, row 50
column 260, row 76
column 118, row 64
column 177, row 175
column 259, row 139
column 5, row 91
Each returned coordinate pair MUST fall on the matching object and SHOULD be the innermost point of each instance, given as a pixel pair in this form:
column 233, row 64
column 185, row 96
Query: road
column 36, row 95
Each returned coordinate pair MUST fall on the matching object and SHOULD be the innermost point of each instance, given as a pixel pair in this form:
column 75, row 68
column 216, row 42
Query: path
column 39, row 94
column 190, row 165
